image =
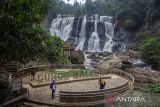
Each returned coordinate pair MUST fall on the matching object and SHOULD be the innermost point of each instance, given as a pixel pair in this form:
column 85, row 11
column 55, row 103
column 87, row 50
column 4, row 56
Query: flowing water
column 82, row 35
column 91, row 33
column 87, row 62
column 62, row 27
column 87, row 39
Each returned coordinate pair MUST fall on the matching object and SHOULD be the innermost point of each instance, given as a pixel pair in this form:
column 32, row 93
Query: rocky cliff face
column 123, row 38
column 153, row 28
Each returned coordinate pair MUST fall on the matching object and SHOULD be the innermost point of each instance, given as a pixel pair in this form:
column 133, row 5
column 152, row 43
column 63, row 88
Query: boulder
column 118, row 65
column 144, row 79
column 126, row 64
column 105, row 54
column 122, row 61
column 142, row 75
column 92, row 56
column 77, row 57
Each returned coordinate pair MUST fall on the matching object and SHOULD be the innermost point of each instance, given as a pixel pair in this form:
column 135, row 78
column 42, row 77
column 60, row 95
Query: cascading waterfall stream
column 109, row 34
column 123, row 48
column 77, row 31
column 86, row 39
column 91, row 33
column 82, row 35
column 93, row 43
column 62, row 27
column 87, row 61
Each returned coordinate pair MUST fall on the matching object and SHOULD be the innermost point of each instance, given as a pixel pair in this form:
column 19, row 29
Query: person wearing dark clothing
column 53, row 88
column 33, row 73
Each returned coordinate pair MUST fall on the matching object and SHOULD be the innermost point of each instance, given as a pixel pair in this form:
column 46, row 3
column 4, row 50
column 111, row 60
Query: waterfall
column 109, row 35
column 62, row 27
column 105, row 19
column 123, row 48
column 93, row 33
column 93, row 43
column 82, row 35
column 87, row 61
column 77, row 39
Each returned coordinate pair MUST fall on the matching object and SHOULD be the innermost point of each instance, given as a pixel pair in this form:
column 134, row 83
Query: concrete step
column 30, row 104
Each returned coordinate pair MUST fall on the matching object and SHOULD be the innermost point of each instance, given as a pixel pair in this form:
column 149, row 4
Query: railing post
column 75, row 99
column 28, row 93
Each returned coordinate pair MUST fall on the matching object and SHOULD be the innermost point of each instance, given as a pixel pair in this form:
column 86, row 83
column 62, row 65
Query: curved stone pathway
column 43, row 94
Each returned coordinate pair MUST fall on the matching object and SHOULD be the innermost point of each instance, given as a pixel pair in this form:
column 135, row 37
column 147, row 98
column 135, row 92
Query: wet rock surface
column 142, row 75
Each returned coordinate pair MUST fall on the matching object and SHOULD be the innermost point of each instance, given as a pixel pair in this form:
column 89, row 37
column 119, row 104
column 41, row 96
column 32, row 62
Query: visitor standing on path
column 53, row 88
column 33, row 73
column 102, row 83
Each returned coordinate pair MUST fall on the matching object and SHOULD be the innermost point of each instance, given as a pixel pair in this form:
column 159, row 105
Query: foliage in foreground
column 21, row 33
column 5, row 90
column 22, row 37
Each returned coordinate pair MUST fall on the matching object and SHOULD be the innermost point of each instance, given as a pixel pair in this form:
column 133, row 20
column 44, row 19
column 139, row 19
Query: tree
column 153, row 12
column 21, row 34
column 89, row 7
column 150, row 50
column 54, row 50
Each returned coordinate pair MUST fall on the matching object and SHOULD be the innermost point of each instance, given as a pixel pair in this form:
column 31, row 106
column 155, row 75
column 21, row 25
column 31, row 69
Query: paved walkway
column 43, row 94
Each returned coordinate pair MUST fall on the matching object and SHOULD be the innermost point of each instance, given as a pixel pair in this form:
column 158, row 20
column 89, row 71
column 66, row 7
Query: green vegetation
column 150, row 50
column 21, row 34
column 5, row 89
column 54, row 50
column 154, row 88
column 60, row 7
column 22, row 37
column 154, row 12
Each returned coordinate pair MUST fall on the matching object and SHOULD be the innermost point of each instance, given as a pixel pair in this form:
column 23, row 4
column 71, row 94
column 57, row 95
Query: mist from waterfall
column 91, row 33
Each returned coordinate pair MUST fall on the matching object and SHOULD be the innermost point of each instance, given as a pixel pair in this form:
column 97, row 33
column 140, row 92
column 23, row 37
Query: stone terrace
column 43, row 94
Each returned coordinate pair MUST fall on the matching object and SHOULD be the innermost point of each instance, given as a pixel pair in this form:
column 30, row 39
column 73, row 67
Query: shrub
column 5, row 90
column 154, row 88
column 150, row 51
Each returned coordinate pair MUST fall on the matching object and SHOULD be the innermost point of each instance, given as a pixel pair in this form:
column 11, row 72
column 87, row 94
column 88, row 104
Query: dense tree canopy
column 21, row 34
column 54, row 50
column 150, row 50
column 20, row 31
